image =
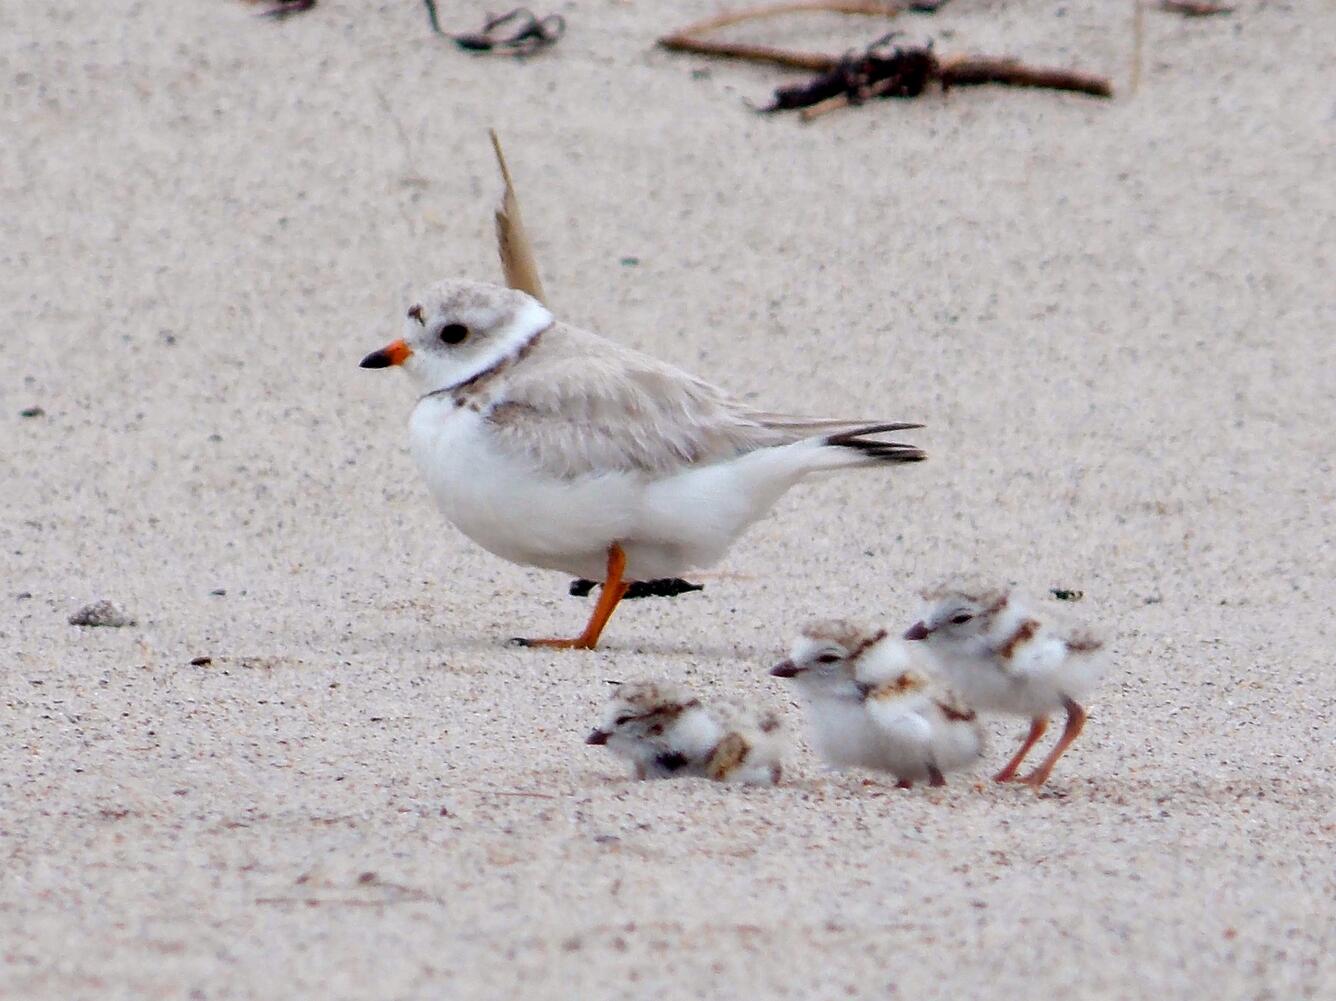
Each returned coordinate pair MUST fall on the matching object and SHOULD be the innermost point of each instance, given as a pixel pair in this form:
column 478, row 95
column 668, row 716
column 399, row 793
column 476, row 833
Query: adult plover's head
column 457, row 330
column 958, row 615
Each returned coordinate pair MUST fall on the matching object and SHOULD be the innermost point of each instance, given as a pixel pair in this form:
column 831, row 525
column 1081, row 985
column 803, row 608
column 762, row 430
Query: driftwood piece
column 878, row 71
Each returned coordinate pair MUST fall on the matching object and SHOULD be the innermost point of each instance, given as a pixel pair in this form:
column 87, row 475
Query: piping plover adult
column 1003, row 655
column 872, row 702
column 667, row 732
column 552, row 447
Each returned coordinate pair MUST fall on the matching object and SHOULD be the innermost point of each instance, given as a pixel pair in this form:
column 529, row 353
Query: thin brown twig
column 870, row 8
column 688, row 39
column 970, row 71
column 814, row 61
column 1138, row 43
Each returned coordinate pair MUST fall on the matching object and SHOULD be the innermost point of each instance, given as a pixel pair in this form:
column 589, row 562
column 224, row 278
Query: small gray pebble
column 101, row 613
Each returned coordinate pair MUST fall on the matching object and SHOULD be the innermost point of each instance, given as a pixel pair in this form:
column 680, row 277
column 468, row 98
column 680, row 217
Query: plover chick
column 1003, row 655
column 552, row 447
column 873, row 702
column 667, row 732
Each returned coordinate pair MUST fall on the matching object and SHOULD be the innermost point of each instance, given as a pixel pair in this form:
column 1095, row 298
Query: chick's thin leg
column 1076, row 717
column 614, row 587
column 1037, row 727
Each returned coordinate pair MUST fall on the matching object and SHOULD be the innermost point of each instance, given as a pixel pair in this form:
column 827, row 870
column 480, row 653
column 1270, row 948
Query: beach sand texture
column 1116, row 319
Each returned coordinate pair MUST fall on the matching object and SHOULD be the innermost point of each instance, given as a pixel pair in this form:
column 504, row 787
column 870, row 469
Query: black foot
column 666, row 587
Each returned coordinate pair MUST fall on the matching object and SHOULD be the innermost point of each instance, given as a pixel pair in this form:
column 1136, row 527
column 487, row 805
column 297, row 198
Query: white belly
column 1036, row 683
column 845, row 736
column 666, row 527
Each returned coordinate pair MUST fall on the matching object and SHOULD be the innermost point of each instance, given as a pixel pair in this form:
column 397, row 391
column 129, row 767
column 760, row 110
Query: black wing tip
column 867, row 429
column 884, row 451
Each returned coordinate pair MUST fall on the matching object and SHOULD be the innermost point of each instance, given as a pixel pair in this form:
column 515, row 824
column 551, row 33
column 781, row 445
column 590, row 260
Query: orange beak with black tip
column 391, row 354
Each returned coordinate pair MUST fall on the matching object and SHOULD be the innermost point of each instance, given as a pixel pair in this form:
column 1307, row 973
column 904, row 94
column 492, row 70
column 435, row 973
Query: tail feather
column 860, row 440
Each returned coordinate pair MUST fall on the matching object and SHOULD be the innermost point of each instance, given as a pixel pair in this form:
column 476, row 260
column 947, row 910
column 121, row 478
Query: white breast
column 844, row 735
column 510, row 509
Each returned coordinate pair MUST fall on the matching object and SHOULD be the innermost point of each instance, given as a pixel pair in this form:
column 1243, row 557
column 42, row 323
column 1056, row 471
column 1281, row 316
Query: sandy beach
column 1115, row 318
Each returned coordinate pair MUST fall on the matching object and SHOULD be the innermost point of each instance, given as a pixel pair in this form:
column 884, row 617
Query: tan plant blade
column 512, row 242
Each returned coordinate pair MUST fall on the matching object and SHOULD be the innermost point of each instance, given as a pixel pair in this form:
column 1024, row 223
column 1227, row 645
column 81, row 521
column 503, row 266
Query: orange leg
column 904, row 784
column 613, row 589
column 1037, row 727
column 1076, row 717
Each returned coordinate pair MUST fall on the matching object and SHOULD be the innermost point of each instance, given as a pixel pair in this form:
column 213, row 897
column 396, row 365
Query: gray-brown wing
column 574, row 416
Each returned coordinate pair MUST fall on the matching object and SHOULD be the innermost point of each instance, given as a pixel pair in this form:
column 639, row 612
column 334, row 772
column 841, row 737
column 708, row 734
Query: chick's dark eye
column 453, row 333
column 961, row 618
column 828, row 658
column 622, row 720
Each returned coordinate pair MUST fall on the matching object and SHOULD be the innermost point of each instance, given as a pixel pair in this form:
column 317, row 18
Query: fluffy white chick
column 873, row 702
column 665, row 731
column 1005, row 655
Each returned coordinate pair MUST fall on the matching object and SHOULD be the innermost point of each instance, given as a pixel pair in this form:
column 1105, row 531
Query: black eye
column 828, row 658
column 453, row 333
column 622, row 720
column 960, row 618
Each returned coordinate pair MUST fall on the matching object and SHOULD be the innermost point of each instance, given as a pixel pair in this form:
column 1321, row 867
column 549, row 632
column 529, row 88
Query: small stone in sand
column 101, row 613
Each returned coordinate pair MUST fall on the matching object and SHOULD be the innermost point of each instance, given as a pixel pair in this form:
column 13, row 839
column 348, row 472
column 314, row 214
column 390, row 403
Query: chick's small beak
column 599, row 737
column 918, row 631
column 785, row 669
column 391, row 354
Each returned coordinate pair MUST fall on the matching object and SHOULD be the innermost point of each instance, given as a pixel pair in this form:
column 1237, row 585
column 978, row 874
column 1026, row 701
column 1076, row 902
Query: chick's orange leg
column 614, row 587
column 1037, row 727
column 1076, row 717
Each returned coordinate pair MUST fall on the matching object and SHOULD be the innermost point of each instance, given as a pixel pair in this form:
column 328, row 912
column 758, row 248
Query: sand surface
column 1117, row 319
